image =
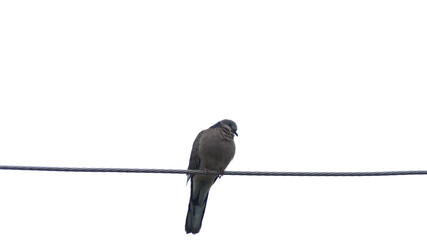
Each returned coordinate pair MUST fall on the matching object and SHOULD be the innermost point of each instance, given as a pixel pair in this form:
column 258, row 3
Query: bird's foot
column 205, row 170
column 221, row 172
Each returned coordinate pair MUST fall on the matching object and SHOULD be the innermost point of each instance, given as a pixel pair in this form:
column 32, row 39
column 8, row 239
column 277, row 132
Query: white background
column 312, row 86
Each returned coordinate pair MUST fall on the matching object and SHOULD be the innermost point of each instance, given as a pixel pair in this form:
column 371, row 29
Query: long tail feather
column 196, row 207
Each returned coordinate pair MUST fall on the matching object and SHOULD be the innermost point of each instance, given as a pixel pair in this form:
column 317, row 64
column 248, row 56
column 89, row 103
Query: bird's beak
column 236, row 133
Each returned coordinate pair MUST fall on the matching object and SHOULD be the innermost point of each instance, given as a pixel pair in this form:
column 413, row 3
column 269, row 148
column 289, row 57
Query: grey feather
column 213, row 149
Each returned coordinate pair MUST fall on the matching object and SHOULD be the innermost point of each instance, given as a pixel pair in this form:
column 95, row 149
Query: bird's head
column 229, row 124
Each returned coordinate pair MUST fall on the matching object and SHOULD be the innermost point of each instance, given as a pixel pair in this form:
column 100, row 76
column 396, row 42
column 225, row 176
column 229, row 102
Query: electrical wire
column 236, row 173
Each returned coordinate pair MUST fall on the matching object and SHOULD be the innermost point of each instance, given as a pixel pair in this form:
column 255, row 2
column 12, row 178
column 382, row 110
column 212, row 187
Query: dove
column 213, row 149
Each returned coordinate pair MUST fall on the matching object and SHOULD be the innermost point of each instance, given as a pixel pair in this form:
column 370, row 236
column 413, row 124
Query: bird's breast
column 216, row 152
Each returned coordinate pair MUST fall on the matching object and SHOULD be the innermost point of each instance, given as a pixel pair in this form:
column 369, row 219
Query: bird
column 213, row 149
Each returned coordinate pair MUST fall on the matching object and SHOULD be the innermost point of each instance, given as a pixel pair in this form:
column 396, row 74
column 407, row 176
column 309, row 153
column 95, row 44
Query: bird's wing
column 194, row 156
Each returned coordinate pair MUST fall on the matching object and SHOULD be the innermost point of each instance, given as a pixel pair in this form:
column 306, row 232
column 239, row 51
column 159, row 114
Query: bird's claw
column 220, row 172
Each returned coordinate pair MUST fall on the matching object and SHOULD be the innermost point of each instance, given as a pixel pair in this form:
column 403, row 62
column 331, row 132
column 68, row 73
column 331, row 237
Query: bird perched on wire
column 213, row 149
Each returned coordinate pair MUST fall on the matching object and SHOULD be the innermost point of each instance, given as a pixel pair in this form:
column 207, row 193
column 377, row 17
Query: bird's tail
column 196, row 208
